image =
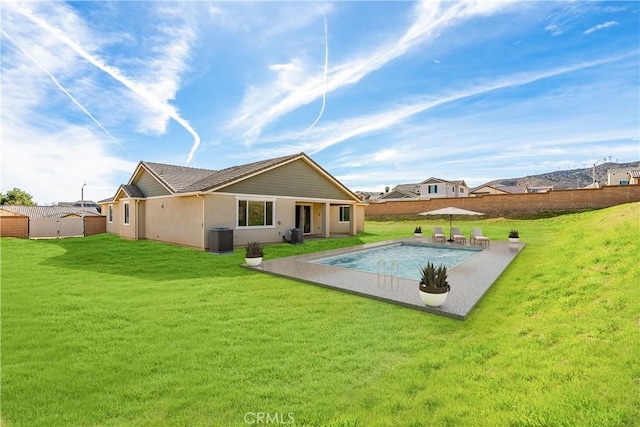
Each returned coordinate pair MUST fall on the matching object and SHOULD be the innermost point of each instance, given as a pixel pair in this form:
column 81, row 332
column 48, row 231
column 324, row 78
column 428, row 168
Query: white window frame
column 341, row 214
column 110, row 214
column 432, row 189
column 255, row 227
column 126, row 213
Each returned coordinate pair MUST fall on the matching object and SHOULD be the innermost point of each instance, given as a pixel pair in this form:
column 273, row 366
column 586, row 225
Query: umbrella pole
column 450, row 235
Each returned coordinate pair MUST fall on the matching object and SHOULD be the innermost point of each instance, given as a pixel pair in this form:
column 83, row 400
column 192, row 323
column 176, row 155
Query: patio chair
column 457, row 236
column 478, row 238
column 438, row 235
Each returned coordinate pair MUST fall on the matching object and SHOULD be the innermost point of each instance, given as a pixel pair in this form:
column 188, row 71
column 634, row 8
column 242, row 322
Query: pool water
column 401, row 260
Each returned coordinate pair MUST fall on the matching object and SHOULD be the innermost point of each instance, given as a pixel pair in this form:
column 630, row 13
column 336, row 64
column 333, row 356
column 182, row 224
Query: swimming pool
column 401, row 259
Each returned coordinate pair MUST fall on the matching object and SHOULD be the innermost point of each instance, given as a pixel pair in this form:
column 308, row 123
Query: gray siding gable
column 294, row 179
column 150, row 186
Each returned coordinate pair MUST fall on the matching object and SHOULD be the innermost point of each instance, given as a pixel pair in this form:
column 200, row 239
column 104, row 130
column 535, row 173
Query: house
column 427, row 189
column 50, row 212
column 436, row 187
column 541, row 189
column 261, row 201
column 368, row 196
column 498, row 189
column 402, row 192
column 633, row 177
column 81, row 203
column 619, row 176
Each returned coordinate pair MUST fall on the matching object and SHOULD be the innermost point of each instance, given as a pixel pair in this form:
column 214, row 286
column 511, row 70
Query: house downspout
column 200, row 196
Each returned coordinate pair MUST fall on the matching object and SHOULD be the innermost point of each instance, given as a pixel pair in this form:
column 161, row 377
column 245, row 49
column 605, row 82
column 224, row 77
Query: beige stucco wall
column 179, row 220
column 360, row 213
column 128, row 230
column 112, row 226
column 336, row 225
column 175, row 220
column 221, row 211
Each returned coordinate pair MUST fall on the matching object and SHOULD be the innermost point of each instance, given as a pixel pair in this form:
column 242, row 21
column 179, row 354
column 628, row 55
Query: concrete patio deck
column 469, row 280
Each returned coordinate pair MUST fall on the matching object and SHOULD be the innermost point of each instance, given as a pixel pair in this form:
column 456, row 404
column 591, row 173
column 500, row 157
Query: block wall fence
column 516, row 204
column 95, row 225
column 14, row 226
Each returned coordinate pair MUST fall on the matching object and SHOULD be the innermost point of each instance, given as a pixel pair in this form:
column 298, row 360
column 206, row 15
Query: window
column 432, row 188
column 126, row 213
column 461, row 190
column 110, row 214
column 624, row 182
column 344, row 214
column 255, row 213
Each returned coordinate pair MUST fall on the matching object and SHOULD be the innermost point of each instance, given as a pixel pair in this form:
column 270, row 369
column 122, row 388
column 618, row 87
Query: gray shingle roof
column 177, row 178
column 183, row 179
column 35, row 212
column 133, row 191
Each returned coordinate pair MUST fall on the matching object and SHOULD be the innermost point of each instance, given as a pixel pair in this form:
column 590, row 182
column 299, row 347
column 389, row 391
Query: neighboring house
column 81, row 203
column 499, row 189
column 368, row 196
column 541, row 189
column 402, row 192
column 633, row 177
column 260, row 201
column 436, row 187
column 619, row 176
column 40, row 212
column 427, row 189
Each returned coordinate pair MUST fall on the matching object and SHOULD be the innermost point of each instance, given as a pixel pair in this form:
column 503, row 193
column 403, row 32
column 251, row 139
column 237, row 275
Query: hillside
column 566, row 179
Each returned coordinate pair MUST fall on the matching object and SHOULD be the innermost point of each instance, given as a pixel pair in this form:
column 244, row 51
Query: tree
column 17, row 197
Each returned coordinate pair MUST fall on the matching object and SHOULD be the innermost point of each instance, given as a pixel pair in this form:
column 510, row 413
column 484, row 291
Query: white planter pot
column 514, row 239
column 433, row 300
column 253, row 262
column 417, row 234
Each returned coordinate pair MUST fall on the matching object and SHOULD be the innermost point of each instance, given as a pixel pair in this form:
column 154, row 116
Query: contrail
column 117, row 75
column 55, row 81
column 326, row 67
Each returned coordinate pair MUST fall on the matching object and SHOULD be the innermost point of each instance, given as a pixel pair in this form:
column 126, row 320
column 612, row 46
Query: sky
column 377, row 93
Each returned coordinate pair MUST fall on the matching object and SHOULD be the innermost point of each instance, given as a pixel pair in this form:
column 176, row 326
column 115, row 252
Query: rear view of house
column 261, row 201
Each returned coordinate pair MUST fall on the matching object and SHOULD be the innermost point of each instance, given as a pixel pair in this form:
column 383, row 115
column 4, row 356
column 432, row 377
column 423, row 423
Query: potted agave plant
column 434, row 287
column 418, row 231
column 254, row 253
column 514, row 237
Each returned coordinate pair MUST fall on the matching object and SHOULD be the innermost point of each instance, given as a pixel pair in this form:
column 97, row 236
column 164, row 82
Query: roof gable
column 128, row 192
column 158, row 179
column 295, row 176
column 398, row 194
column 236, row 173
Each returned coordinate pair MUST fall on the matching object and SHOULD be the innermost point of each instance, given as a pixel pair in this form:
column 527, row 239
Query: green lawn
column 104, row 331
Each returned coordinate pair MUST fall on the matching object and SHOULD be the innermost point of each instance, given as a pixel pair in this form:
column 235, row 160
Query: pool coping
column 469, row 280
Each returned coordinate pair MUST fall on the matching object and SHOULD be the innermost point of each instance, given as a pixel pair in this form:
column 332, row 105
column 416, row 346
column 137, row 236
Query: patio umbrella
column 451, row 211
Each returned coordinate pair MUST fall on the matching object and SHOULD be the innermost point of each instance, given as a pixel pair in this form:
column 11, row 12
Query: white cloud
column 159, row 75
column 601, row 26
column 52, row 166
column 265, row 104
column 328, row 135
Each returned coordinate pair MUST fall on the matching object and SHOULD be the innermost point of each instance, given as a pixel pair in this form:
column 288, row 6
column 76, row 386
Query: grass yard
column 110, row 332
